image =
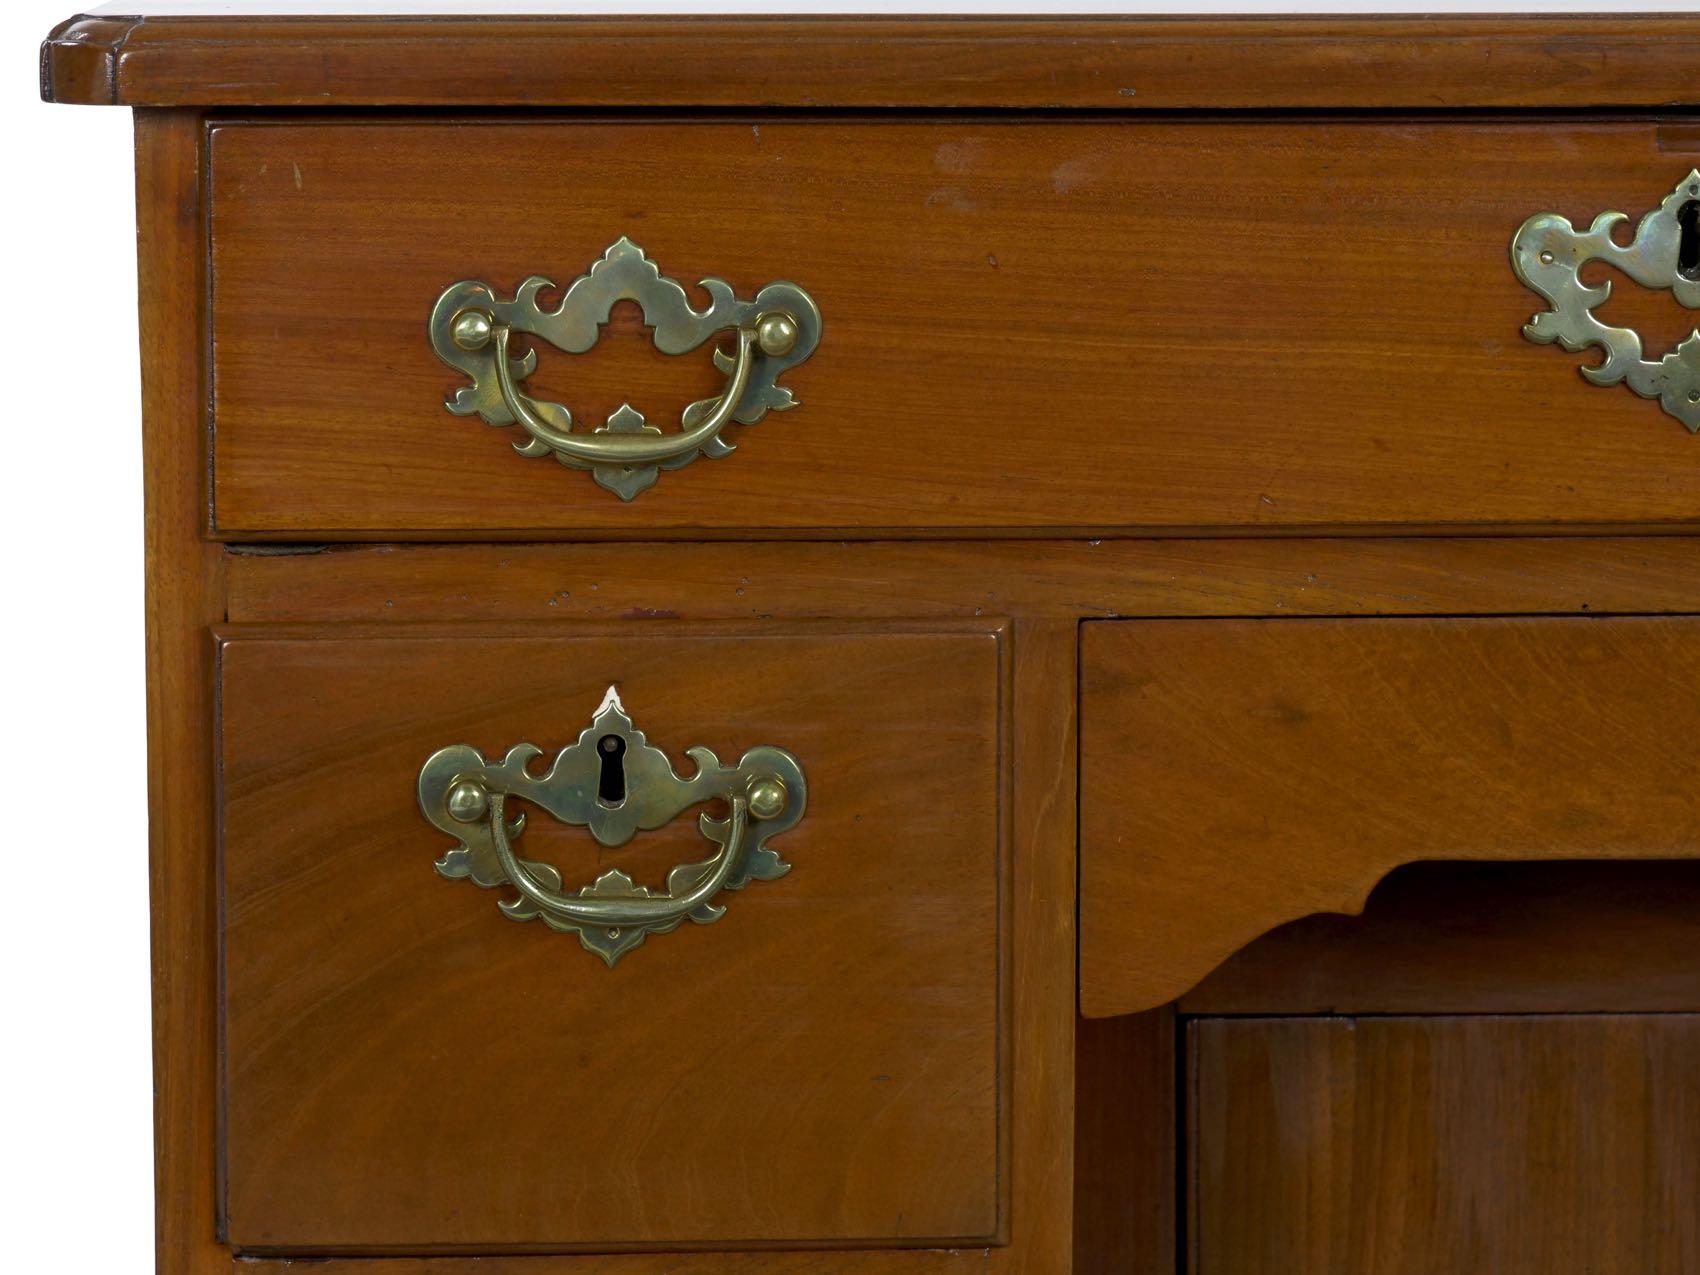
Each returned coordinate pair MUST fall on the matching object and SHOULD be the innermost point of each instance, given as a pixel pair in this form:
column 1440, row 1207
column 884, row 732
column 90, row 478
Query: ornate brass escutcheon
column 1548, row 254
column 472, row 328
column 613, row 782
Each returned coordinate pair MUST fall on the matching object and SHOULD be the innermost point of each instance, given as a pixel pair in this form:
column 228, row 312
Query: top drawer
column 1077, row 326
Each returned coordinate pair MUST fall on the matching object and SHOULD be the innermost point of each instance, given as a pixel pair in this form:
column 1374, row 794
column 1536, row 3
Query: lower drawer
column 407, row 1069
column 1405, row 1146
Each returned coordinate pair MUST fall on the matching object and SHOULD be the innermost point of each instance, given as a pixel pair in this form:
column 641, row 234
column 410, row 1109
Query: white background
column 75, row 1147
column 76, row 1168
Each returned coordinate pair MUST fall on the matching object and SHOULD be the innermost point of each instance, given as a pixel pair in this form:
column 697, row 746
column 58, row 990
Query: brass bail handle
column 634, row 910
column 467, row 797
column 774, row 334
column 472, row 330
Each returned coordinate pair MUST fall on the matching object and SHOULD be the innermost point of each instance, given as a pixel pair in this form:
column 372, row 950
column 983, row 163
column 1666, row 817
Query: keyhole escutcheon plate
column 1549, row 254
column 615, row 783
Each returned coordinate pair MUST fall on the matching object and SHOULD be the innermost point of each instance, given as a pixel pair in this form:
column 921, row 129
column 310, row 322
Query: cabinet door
column 1473, row 1145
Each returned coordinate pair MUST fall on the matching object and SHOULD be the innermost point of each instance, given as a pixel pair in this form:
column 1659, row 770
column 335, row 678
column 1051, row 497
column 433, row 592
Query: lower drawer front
column 407, row 1069
column 1408, row 1146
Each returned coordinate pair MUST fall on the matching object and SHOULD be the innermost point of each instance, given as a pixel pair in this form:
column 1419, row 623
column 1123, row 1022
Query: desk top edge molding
column 1113, row 64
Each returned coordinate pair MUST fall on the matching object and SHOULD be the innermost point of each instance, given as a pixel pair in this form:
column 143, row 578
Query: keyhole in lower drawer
column 1688, row 245
column 611, row 786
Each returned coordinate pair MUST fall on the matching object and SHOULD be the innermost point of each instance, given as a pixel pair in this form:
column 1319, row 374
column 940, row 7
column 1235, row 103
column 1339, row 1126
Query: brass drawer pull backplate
column 1549, row 254
column 471, row 330
column 613, row 782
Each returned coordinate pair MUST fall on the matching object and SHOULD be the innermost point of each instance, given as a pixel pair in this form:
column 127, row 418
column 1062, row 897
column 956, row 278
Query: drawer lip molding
column 1151, row 397
column 826, row 1068
column 1264, row 770
column 1128, row 66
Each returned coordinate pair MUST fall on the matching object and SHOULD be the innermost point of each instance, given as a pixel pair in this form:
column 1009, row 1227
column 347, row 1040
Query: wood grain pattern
column 1239, row 774
column 185, row 585
column 1052, row 324
column 1482, row 938
column 1051, row 580
column 1406, row 1146
column 1108, row 64
column 1127, row 1115
column 1046, row 736
column 820, row 1066
column 833, row 1262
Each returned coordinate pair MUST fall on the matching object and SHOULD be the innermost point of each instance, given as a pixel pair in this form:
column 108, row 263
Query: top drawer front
column 1066, row 325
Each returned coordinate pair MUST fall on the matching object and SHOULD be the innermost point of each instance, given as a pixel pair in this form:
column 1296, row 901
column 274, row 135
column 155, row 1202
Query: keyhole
column 611, row 787
column 1688, row 245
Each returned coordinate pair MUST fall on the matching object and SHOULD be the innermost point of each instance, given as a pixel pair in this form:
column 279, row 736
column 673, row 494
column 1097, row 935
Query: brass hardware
column 1548, row 254
column 466, row 797
column 471, row 330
